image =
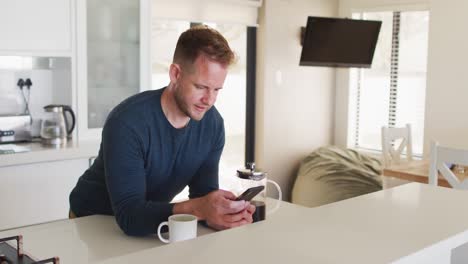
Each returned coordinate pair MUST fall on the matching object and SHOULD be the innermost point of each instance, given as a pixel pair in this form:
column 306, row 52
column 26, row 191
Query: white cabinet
column 37, row 193
column 36, row 27
column 113, row 41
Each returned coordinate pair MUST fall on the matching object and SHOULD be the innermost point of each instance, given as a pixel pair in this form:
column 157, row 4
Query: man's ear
column 174, row 72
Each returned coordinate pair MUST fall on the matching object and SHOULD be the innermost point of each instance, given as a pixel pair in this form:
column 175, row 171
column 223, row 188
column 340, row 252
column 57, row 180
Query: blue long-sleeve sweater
column 143, row 162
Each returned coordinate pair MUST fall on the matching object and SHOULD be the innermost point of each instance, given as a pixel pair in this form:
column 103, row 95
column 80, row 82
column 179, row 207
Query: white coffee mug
column 181, row 227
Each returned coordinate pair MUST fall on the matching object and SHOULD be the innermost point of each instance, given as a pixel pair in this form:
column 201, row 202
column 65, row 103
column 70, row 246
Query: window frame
column 352, row 136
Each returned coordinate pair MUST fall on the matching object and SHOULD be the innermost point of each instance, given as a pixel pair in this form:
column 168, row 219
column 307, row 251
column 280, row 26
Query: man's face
column 197, row 88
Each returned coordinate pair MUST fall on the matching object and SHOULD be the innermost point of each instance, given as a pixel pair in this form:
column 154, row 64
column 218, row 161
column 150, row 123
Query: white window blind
column 216, row 11
column 392, row 92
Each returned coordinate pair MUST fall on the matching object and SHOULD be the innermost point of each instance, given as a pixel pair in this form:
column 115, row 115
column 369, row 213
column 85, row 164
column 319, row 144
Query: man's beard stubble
column 180, row 101
column 183, row 106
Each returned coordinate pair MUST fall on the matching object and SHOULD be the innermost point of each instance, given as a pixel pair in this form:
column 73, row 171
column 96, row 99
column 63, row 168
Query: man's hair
column 202, row 40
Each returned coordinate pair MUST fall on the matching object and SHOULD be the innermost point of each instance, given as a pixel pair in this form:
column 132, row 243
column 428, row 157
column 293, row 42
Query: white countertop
column 42, row 153
column 407, row 223
column 383, row 227
column 83, row 240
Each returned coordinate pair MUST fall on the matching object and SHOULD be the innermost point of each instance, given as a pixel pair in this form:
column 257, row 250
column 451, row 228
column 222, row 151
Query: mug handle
column 159, row 232
column 280, row 196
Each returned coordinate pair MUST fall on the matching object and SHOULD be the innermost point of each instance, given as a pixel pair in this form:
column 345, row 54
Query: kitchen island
column 412, row 223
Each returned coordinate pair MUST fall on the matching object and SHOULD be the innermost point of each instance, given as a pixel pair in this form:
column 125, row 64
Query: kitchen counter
column 42, row 153
column 412, row 223
column 83, row 240
column 94, row 239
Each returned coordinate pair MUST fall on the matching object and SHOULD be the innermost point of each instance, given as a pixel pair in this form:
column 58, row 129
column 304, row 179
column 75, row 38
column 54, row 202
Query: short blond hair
column 204, row 40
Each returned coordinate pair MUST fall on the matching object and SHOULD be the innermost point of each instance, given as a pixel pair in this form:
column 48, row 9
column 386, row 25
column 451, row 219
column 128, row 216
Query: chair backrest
column 440, row 157
column 390, row 154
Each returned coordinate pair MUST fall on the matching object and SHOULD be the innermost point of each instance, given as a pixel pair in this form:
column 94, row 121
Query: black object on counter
column 9, row 254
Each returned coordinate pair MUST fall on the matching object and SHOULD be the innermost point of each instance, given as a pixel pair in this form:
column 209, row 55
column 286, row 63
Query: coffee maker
column 253, row 179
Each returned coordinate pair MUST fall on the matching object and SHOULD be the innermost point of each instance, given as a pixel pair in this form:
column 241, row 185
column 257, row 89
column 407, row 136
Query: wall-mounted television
column 339, row 42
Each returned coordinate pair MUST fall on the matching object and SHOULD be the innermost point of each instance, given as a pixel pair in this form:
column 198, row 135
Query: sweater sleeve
column 206, row 178
column 123, row 154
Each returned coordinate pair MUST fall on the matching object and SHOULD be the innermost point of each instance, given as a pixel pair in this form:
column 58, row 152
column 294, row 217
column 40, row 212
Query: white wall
column 447, row 82
column 446, row 96
column 295, row 104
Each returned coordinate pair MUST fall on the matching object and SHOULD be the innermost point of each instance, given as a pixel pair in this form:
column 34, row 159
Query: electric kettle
column 55, row 127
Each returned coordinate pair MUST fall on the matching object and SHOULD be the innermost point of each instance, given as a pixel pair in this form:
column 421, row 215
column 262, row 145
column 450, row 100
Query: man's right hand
column 219, row 209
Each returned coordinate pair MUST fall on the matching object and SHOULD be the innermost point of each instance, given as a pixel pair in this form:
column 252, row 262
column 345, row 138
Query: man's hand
column 219, row 209
column 222, row 212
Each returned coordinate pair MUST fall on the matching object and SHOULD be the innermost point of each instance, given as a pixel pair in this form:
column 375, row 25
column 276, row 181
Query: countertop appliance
column 15, row 128
column 56, row 128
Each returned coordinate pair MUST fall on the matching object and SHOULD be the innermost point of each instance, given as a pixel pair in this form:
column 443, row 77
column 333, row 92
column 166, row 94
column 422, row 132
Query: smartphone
column 250, row 193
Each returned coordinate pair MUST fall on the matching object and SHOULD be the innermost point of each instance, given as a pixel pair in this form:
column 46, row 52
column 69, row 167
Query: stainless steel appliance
column 15, row 128
column 55, row 127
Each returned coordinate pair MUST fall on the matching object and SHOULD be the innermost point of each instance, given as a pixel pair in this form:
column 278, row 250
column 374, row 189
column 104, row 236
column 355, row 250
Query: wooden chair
column 440, row 158
column 391, row 155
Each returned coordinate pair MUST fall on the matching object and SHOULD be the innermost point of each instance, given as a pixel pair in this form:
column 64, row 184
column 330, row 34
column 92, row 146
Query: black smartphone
column 250, row 193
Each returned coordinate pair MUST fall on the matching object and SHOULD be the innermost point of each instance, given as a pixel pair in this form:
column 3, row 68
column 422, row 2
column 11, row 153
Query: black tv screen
column 339, row 42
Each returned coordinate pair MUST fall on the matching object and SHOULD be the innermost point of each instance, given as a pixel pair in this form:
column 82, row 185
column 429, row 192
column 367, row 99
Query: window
column 232, row 100
column 392, row 92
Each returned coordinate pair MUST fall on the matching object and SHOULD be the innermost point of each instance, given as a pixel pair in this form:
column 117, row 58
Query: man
column 157, row 142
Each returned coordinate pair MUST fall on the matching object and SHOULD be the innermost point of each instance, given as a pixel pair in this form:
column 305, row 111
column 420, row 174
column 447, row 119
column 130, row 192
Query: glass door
column 111, row 39
column 113, row 56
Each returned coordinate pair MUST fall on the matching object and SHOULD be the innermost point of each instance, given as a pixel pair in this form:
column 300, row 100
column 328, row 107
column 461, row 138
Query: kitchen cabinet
column 38, row 192
column 36, row 27
column 113, row 39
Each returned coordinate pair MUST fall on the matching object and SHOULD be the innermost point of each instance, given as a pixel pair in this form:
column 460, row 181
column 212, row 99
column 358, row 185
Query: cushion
column 332, row 174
